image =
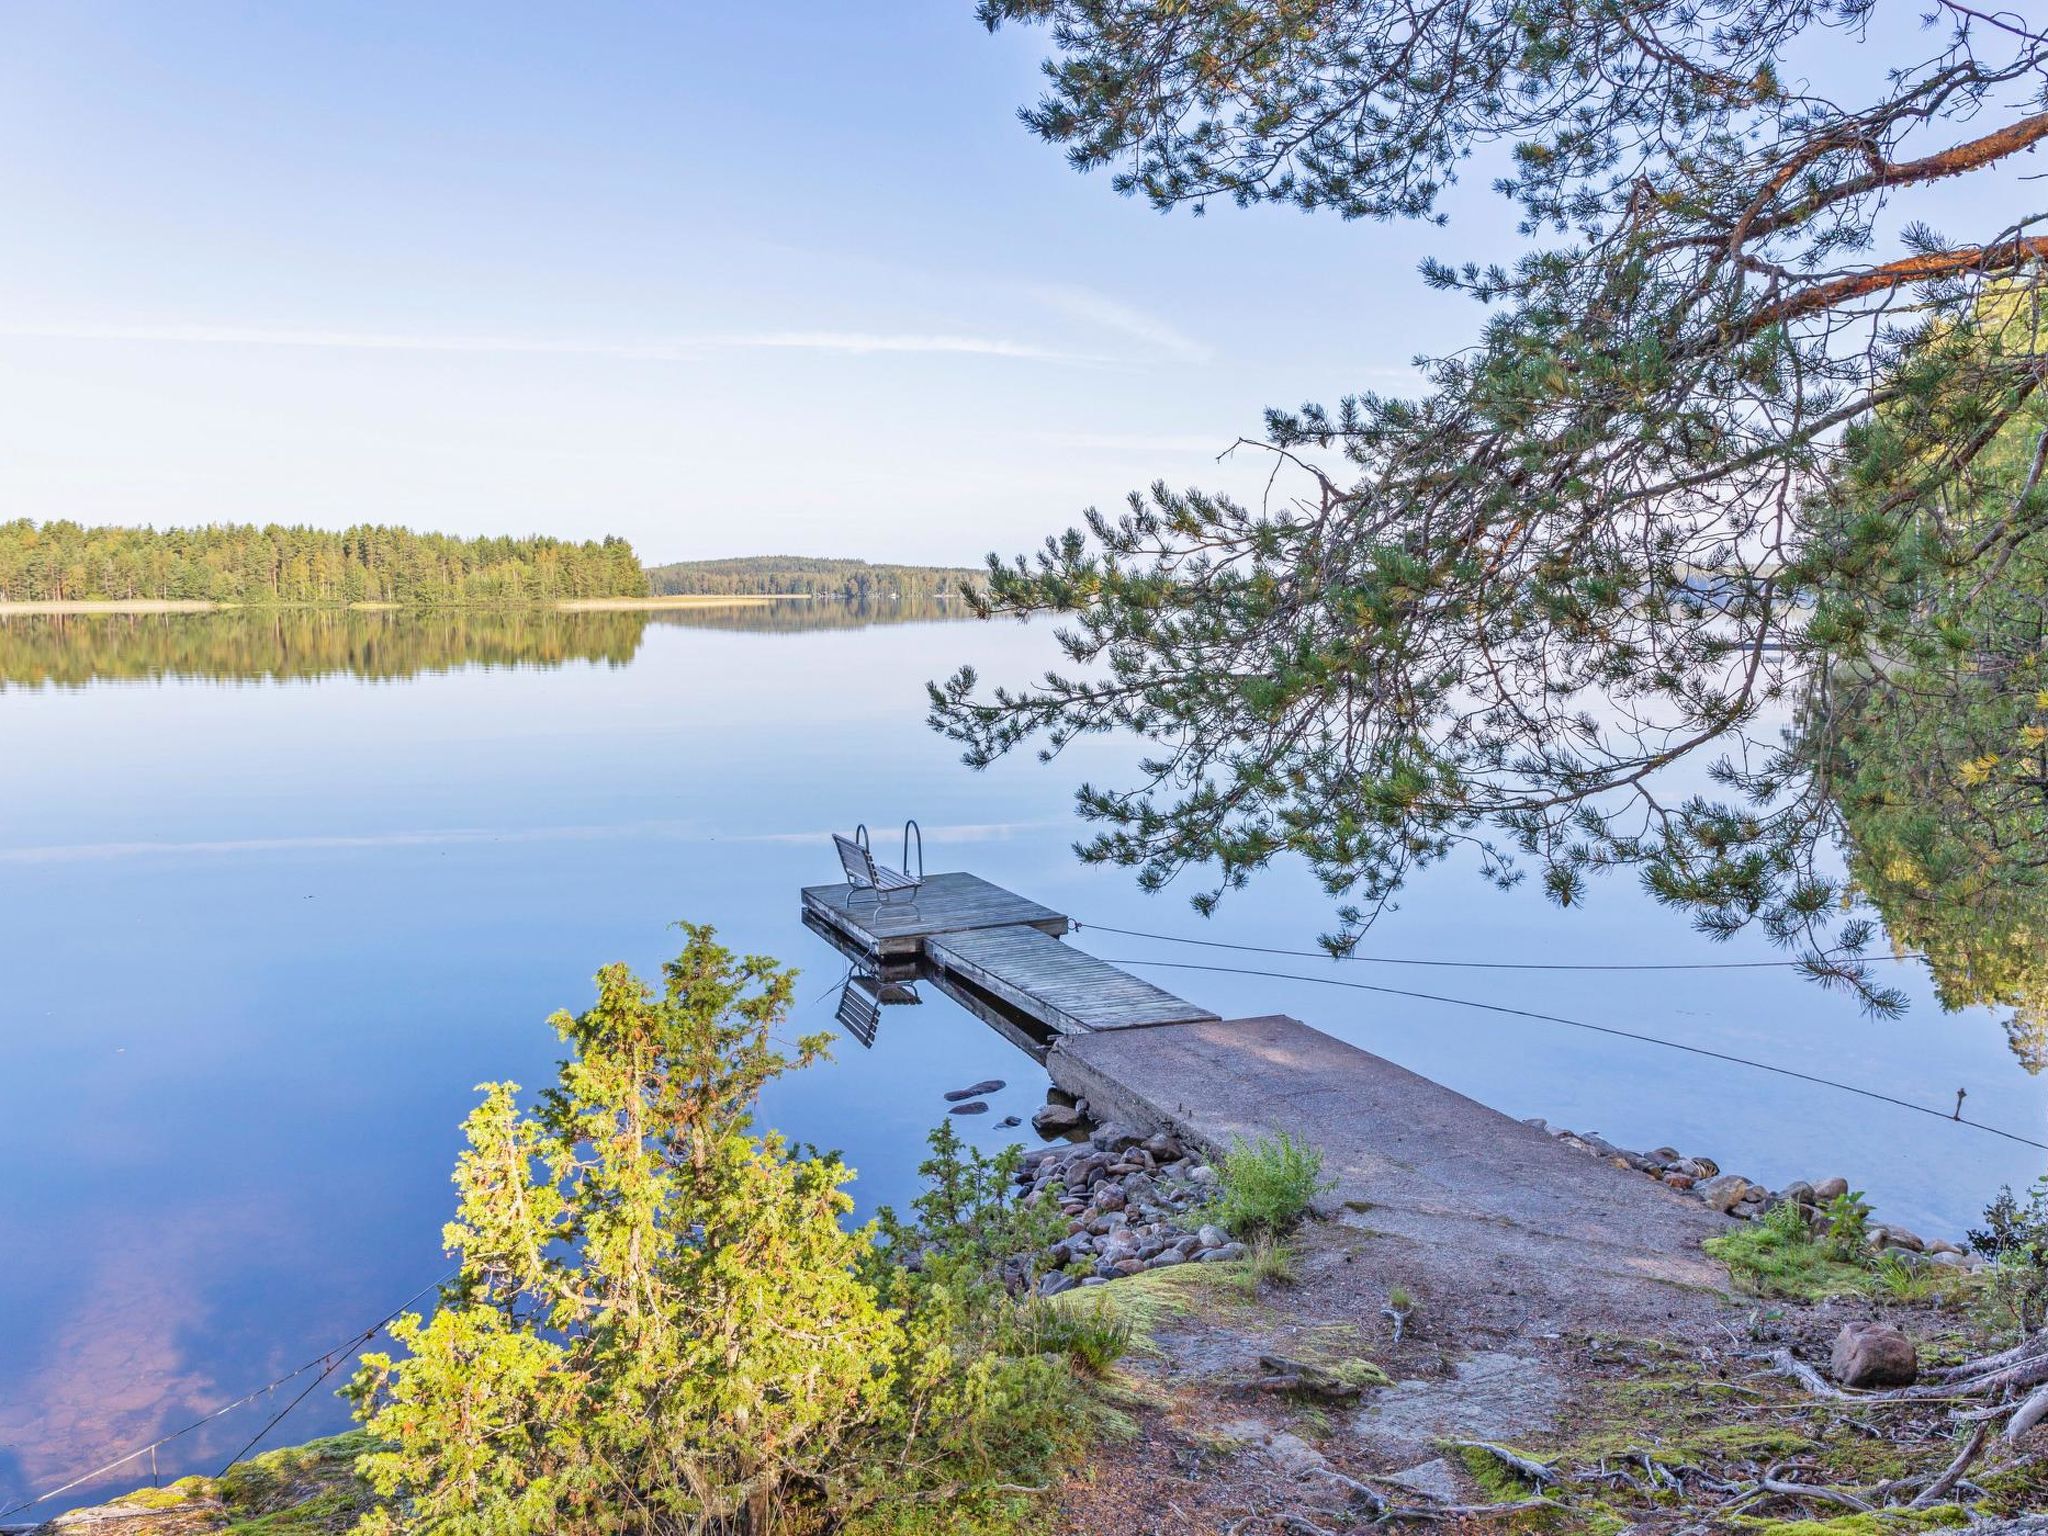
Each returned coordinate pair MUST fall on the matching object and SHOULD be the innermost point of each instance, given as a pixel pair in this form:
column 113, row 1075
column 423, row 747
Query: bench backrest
column 858, row 863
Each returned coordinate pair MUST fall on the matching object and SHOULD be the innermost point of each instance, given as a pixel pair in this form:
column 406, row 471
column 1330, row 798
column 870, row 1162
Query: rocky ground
column 1310, row 1404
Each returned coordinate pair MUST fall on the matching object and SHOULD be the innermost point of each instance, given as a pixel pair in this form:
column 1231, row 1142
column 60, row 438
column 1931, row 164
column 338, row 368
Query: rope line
column 326, row 1362
column 1488, row 965
column 1602, row 1029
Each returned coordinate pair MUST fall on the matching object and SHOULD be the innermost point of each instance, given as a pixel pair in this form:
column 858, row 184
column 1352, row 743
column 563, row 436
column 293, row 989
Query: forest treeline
column 276, row 645
column 274, row 565
column 855, row 581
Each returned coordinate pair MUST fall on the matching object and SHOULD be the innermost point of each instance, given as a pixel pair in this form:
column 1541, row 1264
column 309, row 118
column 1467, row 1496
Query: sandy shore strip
column 125, row 605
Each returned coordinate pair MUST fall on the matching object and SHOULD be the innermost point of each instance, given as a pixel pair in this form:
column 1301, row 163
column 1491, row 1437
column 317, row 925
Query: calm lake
column 276, row 893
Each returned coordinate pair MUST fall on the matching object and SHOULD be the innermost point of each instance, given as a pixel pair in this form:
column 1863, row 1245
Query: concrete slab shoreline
column 1558, row 1237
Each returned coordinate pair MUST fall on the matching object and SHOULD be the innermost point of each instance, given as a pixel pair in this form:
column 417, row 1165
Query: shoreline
column 154, row 605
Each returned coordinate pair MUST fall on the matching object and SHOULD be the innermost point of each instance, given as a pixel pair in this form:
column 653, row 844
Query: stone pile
column 1132, row 1203
column 1731, row 1193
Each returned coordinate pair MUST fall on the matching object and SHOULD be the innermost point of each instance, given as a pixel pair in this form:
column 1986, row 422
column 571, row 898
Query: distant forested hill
column 853, row 580
column 241, row 563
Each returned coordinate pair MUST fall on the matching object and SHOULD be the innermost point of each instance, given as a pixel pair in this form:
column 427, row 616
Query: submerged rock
column 986, row 1085
column 978, row 1107
column 1055, row 1119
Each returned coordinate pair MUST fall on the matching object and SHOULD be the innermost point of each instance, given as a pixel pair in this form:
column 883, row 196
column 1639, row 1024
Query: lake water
column 274, row 894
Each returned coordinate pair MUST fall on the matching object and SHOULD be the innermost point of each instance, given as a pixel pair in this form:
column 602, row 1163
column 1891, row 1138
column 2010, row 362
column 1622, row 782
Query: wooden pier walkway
column 997, row 953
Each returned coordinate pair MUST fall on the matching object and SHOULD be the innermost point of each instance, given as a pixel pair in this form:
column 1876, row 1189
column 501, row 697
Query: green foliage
column 1848, row 1235
column 1267, row 1186
column 1093, row 1336
column 272, row 565
column 1777, row 1256
column 662, row 1322
column 2014, row 1238
column 851, row 581
column 1580, row 572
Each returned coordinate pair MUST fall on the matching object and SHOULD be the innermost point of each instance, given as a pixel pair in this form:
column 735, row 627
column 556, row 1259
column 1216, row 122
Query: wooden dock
column 996, row 953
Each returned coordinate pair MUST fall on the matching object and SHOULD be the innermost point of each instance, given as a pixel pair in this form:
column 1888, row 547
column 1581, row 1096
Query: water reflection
column 275, row 645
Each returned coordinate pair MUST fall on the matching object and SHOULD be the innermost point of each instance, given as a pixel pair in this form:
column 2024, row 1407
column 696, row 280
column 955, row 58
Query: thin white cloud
column 1099, row 309
column 678, row 831
column 662, row 349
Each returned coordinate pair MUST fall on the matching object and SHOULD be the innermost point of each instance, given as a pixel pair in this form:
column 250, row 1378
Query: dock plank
column 1068, row 989
column 947, row 903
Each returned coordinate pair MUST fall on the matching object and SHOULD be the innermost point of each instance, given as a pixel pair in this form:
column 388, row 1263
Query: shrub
column 1268, row 1185
column 662, row 1322
column 1777, row 1256
column 1091, row 1335
column 2015, row 1239
column 1848, row 1226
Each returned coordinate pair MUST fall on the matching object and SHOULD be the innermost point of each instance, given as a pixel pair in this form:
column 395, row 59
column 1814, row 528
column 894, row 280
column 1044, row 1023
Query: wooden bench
column 864, row 874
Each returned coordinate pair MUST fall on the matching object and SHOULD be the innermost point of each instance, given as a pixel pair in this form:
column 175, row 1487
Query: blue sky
column 725, row 279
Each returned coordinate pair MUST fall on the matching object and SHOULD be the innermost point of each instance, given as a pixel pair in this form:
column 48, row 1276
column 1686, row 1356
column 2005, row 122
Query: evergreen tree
column 1583, row 561
column 273, row 565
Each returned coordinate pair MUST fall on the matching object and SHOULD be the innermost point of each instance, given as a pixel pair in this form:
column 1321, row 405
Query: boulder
column 1899, row 1237
column 1224, row 1255
column 1874, row 1355
column 972, row 1107
column 1679, row 1180
column 1165, row 1257
column 1212, row 1236
column 1055, row 1282
column 1828, row 1189
column 1723, row 1190
column 1055, row 1119
column 1798, row 1192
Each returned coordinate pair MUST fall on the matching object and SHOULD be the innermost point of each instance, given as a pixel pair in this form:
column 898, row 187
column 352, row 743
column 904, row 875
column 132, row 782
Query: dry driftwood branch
column 1952, row 1474
column 2030, row 1413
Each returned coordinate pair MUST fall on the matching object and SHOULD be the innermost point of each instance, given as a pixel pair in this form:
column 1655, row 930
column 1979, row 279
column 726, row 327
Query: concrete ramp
column 1481, row 1197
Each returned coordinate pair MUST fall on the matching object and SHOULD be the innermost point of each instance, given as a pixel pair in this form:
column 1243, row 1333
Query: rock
column 1723, row 1190
column 1899, row 1237
column 1007, row 1122
column 1202, row 1174
column 1942, row 1245
column 1679, row 1180
column 1874, row 1355
column 1110, row 1197
column 1055, row 1119
column 1433, row 1480
column 1798, row 1192
column 1228, row 1253
column 1055, row 1282
column 1139, row 1188
column 1665, row 1155
column 1165, row 1258
column 977, row 1107
column 1949, row 1258
column 1114, row 1138
column 985, row 1086
column 1829, row 1189
column 1212, row 1236
column 1163, row 1147
column 1130, row 1266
